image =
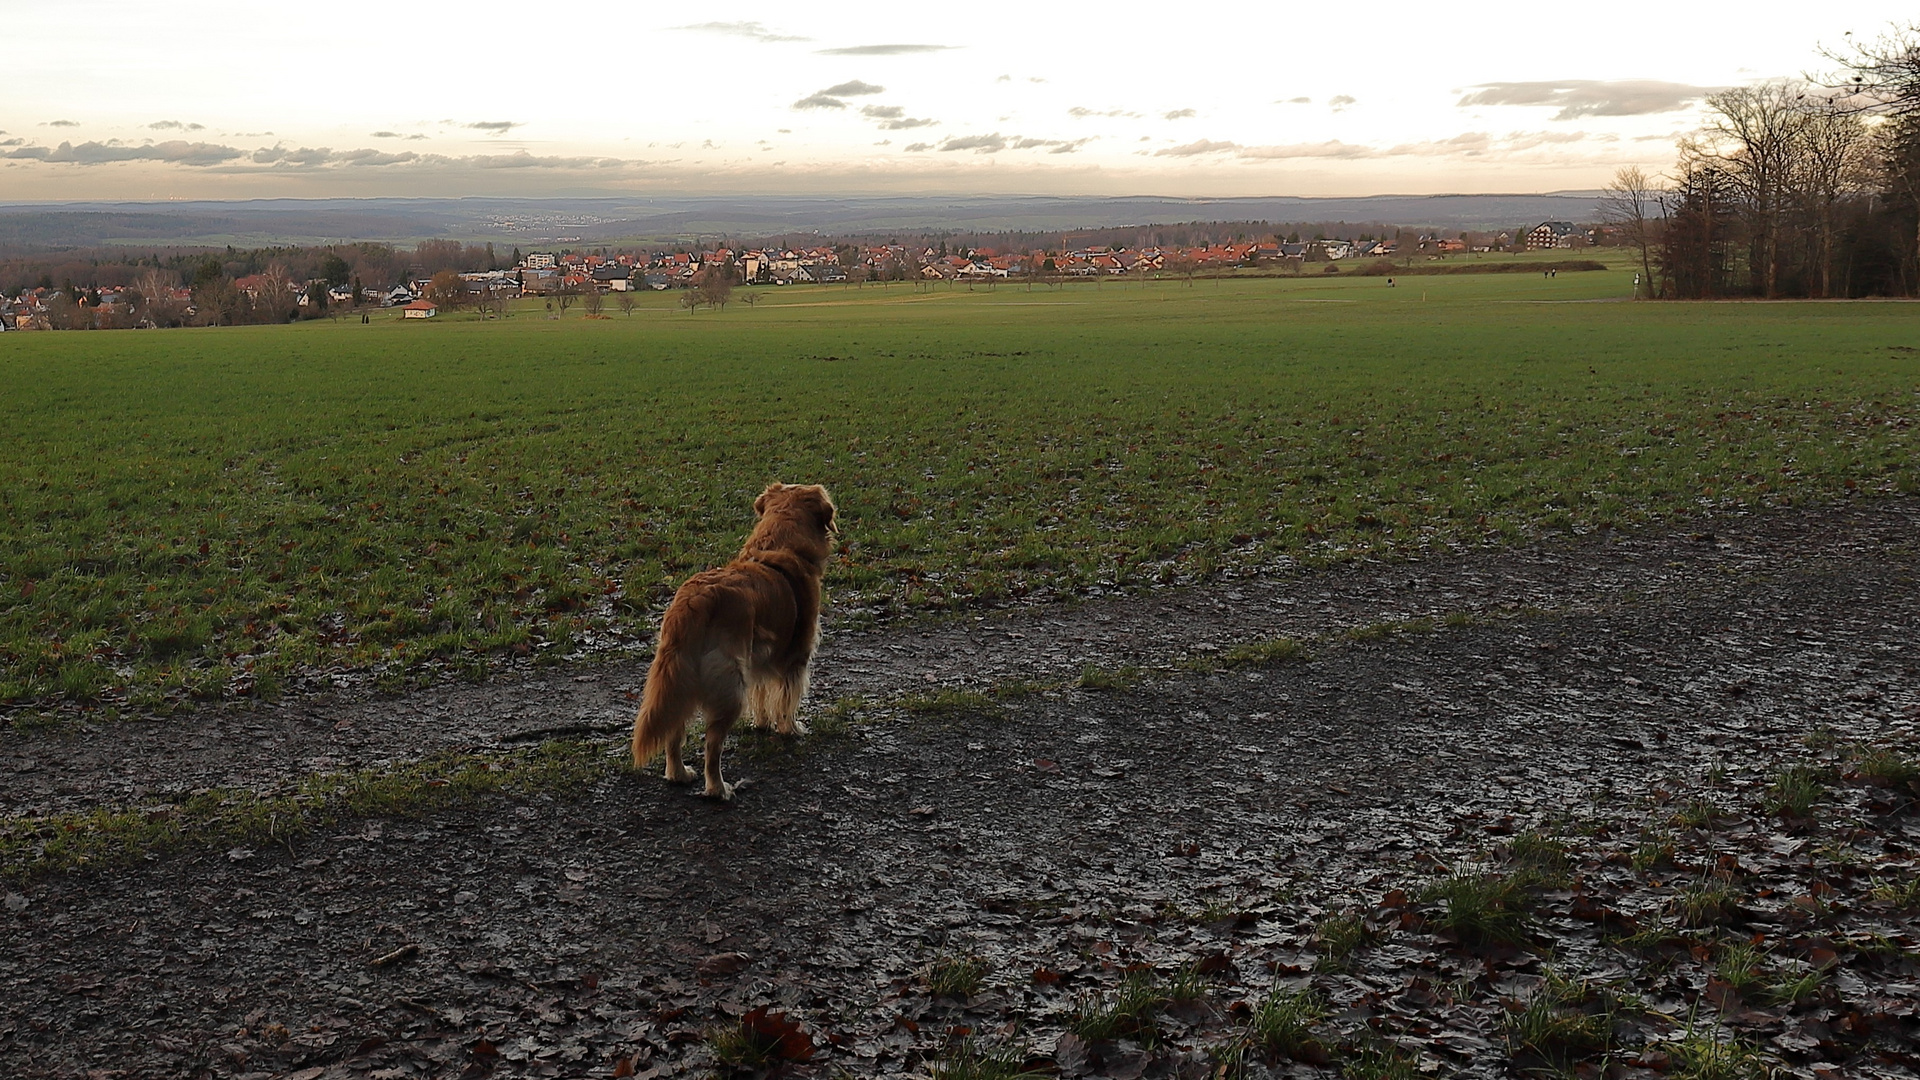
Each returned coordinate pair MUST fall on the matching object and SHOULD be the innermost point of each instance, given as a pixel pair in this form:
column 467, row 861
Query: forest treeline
column 1791, row 189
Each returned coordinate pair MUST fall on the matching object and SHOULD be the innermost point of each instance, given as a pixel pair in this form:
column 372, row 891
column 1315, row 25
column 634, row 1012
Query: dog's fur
column 740, row 637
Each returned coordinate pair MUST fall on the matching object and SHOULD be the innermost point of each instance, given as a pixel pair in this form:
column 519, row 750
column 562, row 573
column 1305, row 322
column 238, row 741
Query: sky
column 223, row 100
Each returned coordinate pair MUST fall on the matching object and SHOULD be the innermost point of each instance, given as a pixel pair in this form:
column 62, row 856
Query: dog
column 741, row 637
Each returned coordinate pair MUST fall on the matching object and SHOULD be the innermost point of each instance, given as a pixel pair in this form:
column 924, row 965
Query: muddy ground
column 1204, row 819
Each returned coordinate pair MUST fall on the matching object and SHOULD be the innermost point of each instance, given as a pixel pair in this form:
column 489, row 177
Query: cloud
column 1576, row 98
column 1055, row 146
column 369, row 157
column 914, row 148
column 1004, row 78
column 753, row 31
column 1465, row 144
column 1178, row 114
column 175, row 125
column 1332, row 148
column 11, row 142
column 884, row 50
column 979, row 144
column 894, row 118
column 1295, row 101
column 996, row 142
column 98, row 153
column 494, row 127
column 1081, row 112
column 854, row 88
column 1339, row 102
column 61, row 123
column 1196, row 148
column 394, row 135
column 819, row 101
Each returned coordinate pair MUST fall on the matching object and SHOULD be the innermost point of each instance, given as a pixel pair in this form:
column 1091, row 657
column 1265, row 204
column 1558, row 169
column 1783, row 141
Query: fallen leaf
column 720, row 964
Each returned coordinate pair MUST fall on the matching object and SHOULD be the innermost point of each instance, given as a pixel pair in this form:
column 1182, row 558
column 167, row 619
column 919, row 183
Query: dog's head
column 808, row 503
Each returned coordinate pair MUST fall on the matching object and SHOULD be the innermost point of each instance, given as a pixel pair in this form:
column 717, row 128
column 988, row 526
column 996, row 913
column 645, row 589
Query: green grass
column 967, row 1060
column 1128, row 1010
column 1794, row 791
column 215, row 513
column 1480, row 909
column 224, row 818
column 1338, row 936
column 1282, row 1024
column 956, row 976
column 1565, row 1021
column 1264, row 653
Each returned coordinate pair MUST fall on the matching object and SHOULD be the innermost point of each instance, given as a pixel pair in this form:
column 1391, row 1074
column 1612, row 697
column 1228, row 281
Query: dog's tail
column 665, row 706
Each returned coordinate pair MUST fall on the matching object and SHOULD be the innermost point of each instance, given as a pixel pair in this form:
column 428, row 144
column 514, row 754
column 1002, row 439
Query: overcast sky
column 243, row 100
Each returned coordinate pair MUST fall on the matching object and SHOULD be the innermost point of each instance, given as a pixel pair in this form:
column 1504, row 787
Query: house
column 539, row 260
column 420, row 309
column 340, row 294
column 1552, row 234
column 612, row 277
column 399, row 294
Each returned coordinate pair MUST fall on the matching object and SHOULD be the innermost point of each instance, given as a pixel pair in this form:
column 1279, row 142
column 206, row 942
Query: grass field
column 203, row 513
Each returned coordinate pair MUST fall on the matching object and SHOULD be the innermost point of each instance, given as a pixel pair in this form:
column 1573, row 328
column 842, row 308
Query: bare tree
column 691, row 300
column 156, row 296
column 592, row 300
column 1756, row 133
column 274, row 297
column 565, row 295
column 1631, row 204
column 627, row 303
column 1884, row 73
column 715, row 285
column 1830, row 162
column 447, row 290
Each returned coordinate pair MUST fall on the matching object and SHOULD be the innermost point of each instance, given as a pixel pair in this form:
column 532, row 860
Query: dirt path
column 1198, row 819
column 127, row 763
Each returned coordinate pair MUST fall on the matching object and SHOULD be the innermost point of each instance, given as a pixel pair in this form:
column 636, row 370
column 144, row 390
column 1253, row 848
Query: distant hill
column 536, row 222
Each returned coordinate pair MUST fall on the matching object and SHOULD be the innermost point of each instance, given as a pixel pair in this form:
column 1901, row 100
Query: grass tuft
column 1480, row 909
column 1339, row 937
column 1283, row 1022
column 956, row 976
column 1794, row 790
column 1264, row 653
column 967, row 1060
column 1127, row 1010
column 224, row 817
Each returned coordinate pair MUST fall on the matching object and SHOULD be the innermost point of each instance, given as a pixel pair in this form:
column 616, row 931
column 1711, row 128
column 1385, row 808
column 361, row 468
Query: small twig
column 421, row 1007
column 397, row 955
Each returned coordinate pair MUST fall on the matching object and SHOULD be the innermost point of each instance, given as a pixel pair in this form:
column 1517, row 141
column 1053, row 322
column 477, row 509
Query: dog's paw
column 684, row 778
column 723, row 794
column 798, row 728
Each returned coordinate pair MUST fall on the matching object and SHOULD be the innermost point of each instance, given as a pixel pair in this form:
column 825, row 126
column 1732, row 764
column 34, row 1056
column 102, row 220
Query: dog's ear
column 823, row 508
column 760, row 504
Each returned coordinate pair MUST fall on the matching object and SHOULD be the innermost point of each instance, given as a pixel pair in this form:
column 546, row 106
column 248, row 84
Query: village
column 277, row 296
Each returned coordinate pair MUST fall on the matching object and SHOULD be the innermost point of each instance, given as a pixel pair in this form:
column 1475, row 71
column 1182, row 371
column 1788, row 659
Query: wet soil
column 1200, row 819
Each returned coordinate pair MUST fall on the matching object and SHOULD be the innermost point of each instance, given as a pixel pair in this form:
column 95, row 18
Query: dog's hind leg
column 786, row 692
column 720, row 720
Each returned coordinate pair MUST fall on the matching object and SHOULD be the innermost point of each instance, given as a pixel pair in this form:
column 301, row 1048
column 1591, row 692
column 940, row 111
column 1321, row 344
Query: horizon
column 1238, row 101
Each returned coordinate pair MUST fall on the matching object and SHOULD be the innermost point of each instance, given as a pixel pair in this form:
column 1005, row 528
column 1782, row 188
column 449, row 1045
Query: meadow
column 215, row 513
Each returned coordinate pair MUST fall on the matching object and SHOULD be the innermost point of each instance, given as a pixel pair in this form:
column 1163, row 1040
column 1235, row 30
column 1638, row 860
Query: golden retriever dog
column 739, row 638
